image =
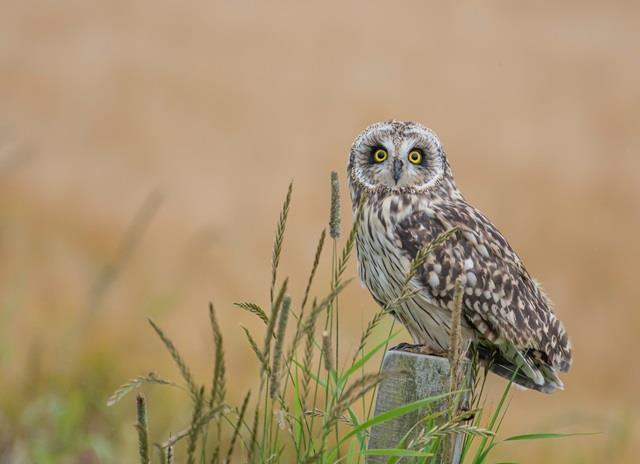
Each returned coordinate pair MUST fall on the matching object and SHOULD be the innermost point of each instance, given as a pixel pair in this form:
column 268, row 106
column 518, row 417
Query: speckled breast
column 381, row 262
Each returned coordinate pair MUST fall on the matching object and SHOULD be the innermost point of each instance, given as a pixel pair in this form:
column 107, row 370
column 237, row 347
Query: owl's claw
column 420, row 349
column 404, row 347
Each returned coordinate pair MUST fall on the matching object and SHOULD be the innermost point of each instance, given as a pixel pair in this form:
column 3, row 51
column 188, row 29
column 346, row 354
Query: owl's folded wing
column 501, row 301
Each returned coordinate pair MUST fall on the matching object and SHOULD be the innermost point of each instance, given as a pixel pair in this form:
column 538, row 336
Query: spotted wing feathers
column 504, row 305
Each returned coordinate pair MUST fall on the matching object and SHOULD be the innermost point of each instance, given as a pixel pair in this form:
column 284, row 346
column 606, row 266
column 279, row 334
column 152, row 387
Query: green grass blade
column 356, row 423
column 545, row 436
column 528, row 436
column 481, row 453
column 393, row 413
column 363, row 360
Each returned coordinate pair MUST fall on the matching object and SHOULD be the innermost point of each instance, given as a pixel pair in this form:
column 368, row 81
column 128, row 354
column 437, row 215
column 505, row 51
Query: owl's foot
column 420, row 349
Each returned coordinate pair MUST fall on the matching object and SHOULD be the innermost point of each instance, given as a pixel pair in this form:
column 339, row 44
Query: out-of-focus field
column 217, row 106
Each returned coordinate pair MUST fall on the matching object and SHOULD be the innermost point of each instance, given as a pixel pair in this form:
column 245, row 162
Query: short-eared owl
column 400, row 171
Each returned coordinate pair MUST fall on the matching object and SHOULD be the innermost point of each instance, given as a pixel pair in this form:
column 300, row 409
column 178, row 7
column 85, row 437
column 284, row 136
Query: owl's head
column 398, row 157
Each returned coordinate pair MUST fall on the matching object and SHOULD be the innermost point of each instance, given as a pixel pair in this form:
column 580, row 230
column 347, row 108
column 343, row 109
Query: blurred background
column 146, row 147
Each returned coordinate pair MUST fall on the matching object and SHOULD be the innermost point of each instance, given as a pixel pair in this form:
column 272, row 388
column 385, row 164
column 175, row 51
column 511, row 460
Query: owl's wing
column 501, row 301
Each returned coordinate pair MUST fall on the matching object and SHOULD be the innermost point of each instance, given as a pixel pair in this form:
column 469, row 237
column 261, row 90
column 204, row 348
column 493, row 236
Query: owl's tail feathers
column 526, row 370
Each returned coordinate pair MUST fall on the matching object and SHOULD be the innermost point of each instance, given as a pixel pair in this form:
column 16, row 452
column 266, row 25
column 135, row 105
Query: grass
column 312, row 405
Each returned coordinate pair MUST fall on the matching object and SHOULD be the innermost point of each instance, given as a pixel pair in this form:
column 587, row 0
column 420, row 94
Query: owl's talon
column 405, row 347
column 420, row 349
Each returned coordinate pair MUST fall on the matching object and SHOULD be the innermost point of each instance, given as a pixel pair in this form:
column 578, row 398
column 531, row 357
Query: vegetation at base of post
column 309, row 406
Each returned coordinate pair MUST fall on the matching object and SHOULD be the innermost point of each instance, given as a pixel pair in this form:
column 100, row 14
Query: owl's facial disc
column 396, row 156
column 395, row 171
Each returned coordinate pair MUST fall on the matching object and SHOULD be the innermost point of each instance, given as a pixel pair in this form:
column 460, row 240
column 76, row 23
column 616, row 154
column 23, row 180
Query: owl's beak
column 397, row 169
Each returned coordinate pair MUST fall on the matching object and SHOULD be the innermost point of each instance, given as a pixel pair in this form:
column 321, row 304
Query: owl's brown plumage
column 407, row 204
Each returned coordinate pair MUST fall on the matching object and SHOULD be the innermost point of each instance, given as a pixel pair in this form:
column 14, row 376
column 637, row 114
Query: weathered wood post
column 419, row 376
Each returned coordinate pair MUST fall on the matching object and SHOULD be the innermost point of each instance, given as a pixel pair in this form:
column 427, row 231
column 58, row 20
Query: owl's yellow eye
column 380, row 155
column 415, row 156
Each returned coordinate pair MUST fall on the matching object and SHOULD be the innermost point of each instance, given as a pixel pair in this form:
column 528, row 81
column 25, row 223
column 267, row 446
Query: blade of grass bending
column 546, row 436
column 531, row 436
column 182, row 366
column 277, row 245
column 254, row 309
column 137, row 382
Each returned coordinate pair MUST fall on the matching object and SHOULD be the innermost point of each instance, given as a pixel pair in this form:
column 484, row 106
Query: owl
column 399, row 175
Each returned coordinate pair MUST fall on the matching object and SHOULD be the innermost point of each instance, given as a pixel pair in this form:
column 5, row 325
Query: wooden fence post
column 419, row 376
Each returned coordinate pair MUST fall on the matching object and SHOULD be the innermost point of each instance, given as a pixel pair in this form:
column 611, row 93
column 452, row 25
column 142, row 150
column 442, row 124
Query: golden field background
column 216, row 106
